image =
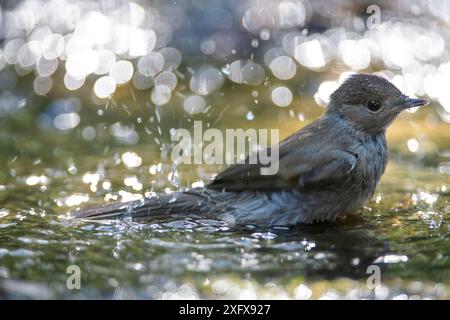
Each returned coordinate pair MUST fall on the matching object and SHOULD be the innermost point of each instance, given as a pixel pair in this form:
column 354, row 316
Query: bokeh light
column 282, row 96
column 194, row 104
column 104, row 86
column 144, row 44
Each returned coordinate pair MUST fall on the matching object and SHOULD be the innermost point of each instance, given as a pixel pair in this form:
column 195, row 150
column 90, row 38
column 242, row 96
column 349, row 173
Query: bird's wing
column 311, row 158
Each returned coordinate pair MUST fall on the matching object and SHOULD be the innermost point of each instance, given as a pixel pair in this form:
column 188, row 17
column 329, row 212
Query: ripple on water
column 7, row 225
column 432, row 219
column 164, row 258
column 23, row 253
column 264, row 235
column 391, row 258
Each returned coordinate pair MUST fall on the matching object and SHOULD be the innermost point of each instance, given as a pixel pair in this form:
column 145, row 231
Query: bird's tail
column 189, row 202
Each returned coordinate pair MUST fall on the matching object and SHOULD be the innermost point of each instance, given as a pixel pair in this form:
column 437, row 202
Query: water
column 404, row 230
column 86, row 112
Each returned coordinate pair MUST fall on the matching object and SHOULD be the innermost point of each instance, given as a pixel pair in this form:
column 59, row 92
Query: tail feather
column 189, row 202
column 104, row 211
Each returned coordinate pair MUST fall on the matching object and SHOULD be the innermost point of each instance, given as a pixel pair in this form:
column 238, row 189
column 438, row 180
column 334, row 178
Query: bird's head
column 370, row 102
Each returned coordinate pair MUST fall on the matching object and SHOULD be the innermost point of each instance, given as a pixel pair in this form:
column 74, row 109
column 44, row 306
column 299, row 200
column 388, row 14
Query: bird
column 327, row 170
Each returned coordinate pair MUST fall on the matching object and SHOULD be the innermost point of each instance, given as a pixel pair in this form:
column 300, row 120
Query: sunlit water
column 90, row 92
column 404, row 231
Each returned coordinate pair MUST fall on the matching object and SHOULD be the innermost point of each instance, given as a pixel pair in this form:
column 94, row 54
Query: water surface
column 404, row 230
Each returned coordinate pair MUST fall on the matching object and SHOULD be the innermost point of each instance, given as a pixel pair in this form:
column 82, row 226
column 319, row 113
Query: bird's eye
column 374, row 105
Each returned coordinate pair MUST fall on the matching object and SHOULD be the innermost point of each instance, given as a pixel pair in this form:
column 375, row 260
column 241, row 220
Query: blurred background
column 91, row 91
column 123, row 73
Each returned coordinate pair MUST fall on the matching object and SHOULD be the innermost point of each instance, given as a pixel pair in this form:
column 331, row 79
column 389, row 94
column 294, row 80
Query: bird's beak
column 412, row 103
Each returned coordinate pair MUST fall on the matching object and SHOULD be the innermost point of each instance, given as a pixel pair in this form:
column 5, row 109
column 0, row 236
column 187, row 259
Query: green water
column 404, row 230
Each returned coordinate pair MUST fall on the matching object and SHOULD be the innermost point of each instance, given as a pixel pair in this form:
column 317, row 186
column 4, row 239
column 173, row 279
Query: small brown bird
column 329, row 168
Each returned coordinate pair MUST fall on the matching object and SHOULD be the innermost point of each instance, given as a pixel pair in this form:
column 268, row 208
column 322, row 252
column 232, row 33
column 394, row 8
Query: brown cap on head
column 360, row 87
column 370, row 102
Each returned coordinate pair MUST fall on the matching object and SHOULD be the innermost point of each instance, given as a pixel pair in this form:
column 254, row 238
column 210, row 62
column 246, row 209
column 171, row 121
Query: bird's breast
column 372, row 160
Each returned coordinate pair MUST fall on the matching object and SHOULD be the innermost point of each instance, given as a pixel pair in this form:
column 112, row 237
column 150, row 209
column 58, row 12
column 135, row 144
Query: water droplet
column 66, row 121
column 161, row 95
column 104, row 87
column 42, row 85
column 46, row 67
column 246, row 71
column 206, row 80
column 72, row 83
column 283, row 67
column 282, row 96
column 413, row 145
column 151, row 64
column 172, row 58
column 53, row 46
column 264, row 34
column 310, row 54
column 121, row 72
column 166, row 78
column 208, row 46
column 82, row 63
column 194, row 104
column 106, row 59
column 29, row 54
column 131, row 159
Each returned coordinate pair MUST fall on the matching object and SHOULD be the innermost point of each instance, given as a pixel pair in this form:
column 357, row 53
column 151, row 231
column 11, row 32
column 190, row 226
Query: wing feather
column 307, row 159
